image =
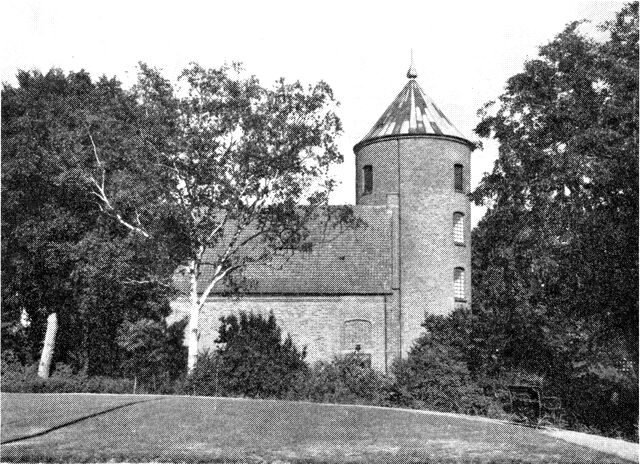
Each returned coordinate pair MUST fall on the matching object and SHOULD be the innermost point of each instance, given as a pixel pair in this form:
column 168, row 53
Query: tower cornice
column 365, row 142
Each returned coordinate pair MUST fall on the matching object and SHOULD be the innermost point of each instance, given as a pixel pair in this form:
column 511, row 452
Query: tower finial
column 412, row 73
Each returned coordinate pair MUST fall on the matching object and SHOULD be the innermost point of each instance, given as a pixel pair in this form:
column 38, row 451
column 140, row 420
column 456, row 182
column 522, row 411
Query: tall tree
column 54, row 244
column 556, row 256
column 226, row 164
column 42, row 216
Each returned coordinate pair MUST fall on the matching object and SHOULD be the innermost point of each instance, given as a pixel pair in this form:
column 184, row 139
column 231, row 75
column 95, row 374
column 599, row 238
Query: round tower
column 418, row 164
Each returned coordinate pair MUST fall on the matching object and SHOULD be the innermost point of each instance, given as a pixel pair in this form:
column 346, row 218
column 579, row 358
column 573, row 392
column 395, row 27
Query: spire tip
column 412, row 73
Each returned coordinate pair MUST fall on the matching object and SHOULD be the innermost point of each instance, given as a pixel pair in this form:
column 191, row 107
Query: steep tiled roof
column 342, row 261
column 412, row 112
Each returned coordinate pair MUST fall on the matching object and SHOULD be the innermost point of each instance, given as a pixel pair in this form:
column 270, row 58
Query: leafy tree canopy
column 58, row 253
column 555, row 259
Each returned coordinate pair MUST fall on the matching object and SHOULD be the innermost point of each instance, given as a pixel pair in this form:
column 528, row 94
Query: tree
column 111, row 289
column 555, row 259
column 561, row 233
column 226, row 164
column 42, row 217
column 54, row 244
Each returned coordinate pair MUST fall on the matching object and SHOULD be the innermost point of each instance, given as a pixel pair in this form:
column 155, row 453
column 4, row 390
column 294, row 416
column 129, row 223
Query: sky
column 464, row 52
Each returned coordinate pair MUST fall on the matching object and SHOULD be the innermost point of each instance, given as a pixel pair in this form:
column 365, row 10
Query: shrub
column 601, row 402
column 343, row 380
column 435, row 376
column 15, row 342
column 154, row 352
column 252, row 360
column 205, row 378
column 17, row 378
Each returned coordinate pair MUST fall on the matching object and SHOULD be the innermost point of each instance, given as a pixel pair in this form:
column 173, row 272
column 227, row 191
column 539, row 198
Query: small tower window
column 458, row 228
column 367, row 175
column 457, row 177
column 458, row 283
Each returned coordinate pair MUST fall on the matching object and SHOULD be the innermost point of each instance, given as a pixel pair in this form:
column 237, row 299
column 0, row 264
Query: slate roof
column 347, row 261
column 412, row 112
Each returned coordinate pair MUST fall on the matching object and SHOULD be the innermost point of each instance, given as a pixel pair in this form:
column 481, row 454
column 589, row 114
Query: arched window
column 357, row 332
column 458, row 283
column 367, row 179
column 458, row 178
column 458, row 228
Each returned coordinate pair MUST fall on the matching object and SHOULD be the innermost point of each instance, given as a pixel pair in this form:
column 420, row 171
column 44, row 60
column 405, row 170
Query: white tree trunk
column 194, row 316
column 49, row 343
column 196, row 302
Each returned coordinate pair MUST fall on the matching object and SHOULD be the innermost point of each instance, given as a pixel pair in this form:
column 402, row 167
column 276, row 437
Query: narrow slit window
column 457, row 177
column 367, row 174
column 458, row 283
column 458, row 228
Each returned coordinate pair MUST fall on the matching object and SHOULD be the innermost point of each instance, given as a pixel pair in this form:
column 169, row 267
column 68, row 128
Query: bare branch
column 248, row 239
column 146, row 282
column 217, row 229
column 95, row 153
column 108, row 207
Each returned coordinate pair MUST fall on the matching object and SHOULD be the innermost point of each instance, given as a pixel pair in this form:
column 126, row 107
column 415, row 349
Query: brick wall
column 429, row 254
column 316, row 322
column 420, row 171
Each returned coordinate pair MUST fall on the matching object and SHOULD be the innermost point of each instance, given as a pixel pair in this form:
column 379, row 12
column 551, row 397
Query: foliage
column 204, row 379
column 58, row 254
column 210, row 176
column 555, row 259
column 15, row 343
column 255, row 359
column 435, row 373
column 343, row 380
column 106, row 191
column 601, row 403
column 252, row 360
column 554, row 247
column 42, row 217
column 17, row 378
column 153, row 350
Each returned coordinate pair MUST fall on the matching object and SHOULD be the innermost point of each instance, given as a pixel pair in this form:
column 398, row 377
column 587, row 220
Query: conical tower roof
column 413, row 113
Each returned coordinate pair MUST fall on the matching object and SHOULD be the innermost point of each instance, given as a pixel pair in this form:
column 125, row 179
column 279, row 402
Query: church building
column 368, row 290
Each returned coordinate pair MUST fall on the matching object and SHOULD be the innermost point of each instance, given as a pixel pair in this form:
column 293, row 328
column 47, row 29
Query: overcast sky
column 463, row 51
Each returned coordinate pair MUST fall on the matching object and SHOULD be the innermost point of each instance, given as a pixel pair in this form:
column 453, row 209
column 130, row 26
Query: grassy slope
column 209, row 429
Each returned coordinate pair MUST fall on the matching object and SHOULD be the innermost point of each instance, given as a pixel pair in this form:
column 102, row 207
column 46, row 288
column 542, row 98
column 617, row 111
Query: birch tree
column 226, row 166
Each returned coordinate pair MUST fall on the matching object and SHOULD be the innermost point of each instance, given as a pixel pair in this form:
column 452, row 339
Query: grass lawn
column 155, row 428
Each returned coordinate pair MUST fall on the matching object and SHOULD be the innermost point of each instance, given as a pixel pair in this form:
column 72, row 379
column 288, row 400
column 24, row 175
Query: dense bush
column 205, row 378
column 252, row 360
column 343, row 380
column 601, row 402
column 17, row 378
column 435, row 376
column 154, row 353
column 455, row 367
